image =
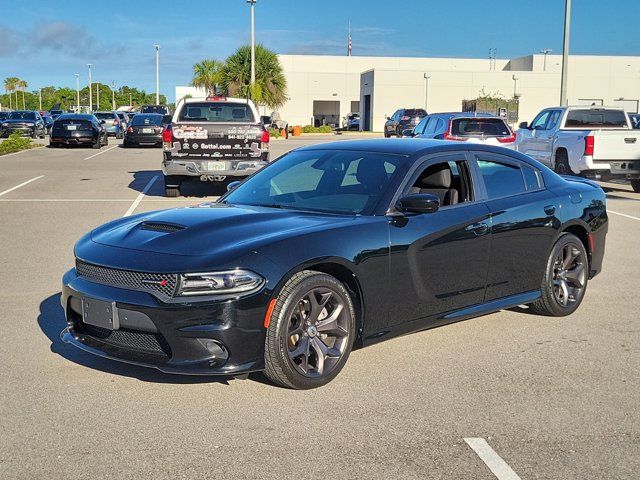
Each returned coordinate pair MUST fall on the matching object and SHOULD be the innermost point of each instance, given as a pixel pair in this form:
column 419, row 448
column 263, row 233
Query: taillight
column 265, row 136
column 129, row 130
column 447, row 135
column 589, row 143
column 509, row 139
column 116, row 122
column 167, row 135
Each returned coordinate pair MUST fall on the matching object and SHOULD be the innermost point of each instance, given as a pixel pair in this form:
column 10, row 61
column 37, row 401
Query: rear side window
column 595, row 118
column 531, row 178
column 221, row 112
column 500, row 179
column 486, row 127
column 142, row 119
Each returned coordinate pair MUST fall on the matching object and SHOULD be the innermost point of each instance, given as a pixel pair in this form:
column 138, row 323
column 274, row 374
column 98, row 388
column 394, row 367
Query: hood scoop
column 161, row 227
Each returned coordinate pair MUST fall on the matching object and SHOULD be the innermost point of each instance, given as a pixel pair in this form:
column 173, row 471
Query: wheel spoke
column 302, row 349
column 570, row 254
column 317, row 306
column 564, row 288
column 323, row 353
column 330, row 324
column 575, row 275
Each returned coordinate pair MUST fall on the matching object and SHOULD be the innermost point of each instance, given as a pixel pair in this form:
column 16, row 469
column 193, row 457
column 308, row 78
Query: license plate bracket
column 100, row 313
column 215, row 166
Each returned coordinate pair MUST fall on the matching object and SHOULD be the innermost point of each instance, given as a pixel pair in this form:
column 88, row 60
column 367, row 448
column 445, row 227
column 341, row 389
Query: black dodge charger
column 331, row 247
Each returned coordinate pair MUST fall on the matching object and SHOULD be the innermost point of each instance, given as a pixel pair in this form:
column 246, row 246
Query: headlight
column 219, row 283
column 5, row 124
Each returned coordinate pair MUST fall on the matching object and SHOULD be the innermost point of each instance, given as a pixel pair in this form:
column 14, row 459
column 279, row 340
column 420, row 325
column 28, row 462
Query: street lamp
column 426, row 92
column 40, row 98
column 253, row 43
column 90, row 92
column 77, row 92
column 98, row 95
column 564, row 101
column 157, row 74
column 545, row 52
column 113, row 95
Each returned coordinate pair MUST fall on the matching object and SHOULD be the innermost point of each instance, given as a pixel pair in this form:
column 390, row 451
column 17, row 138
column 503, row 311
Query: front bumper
column 198, row 338
column 6, row 131
column 223, row 168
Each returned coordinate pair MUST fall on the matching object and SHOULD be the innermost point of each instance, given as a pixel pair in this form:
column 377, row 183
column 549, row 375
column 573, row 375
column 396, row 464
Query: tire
column 635, row 184
column 97, row 145
column 561, row 166
column 34, row 135
column 119, row 136
column 295, row 338
column 386, row 134
column 551, row 302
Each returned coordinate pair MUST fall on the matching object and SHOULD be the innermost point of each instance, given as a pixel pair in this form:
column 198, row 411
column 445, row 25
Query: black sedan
column 334, row 246
column 144, row 129
column 25, row 122
column 78, row 129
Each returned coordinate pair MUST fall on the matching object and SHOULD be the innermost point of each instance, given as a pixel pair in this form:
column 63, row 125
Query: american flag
column 349, row 44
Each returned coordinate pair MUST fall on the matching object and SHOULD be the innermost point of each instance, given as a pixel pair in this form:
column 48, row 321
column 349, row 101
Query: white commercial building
column 323, row 89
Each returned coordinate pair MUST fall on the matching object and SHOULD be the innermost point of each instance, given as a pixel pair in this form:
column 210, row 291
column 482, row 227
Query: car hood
column 210, row 229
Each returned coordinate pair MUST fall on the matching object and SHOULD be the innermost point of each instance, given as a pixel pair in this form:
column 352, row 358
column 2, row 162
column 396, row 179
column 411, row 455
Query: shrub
column 274, row 132
column 325, row 129
column 15, row 143
column 320, row 129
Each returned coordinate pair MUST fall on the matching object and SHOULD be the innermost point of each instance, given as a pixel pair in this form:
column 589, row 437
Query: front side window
column 420, row 128
column 448, row 180
column 216, row 112
column 500, row 179
column 331, row 181
column 540, row 121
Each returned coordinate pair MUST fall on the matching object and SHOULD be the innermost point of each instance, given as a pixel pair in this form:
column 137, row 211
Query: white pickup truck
column 592, row 141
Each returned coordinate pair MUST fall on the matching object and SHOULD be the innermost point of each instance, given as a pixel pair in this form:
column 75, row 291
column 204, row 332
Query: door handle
column 550, row 209
column 479, row 228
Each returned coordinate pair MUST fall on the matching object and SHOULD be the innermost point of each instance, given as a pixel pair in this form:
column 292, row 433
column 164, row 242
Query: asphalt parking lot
column 553, row 398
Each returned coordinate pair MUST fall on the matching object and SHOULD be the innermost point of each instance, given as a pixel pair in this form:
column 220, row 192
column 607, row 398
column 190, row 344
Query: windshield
column 22, row 116
column 595, row 118
column 216, row 112
column 331, row 181
column 144, row 119
column 485, row 127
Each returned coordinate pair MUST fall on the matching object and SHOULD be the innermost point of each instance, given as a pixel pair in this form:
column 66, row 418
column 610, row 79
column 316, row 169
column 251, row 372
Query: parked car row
column 26, row 122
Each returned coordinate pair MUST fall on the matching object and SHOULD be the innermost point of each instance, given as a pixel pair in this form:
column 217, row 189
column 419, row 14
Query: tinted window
column 415, row 112
column 486, row 127
column 216, row 112
column 321, row 180
column 146, row 119
column 540, row 121
column 595, row 118
column 500, row 179
column 154, row 109
column 22, row 116
column 419, row 129
column 553, row 119
column 531, row 179
column 431, row 125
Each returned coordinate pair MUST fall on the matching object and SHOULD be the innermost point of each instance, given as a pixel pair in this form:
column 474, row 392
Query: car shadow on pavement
column 190, row 188
column 52, row 321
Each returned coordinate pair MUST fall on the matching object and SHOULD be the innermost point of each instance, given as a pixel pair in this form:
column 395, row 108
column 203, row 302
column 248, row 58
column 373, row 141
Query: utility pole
column 98, row 95
column 113, row 94
column 545, row 52
column 253, row 43
column 157, row 74
column 90, row 92
column 426, row 92
column 564, row 101
column 515, row 86
column 40, row 98
column 77, row 92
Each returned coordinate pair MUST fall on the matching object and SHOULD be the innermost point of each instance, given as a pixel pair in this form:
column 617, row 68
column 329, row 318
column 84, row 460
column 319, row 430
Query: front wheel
column 565, row 279
column 310, row 332
column 635, row 184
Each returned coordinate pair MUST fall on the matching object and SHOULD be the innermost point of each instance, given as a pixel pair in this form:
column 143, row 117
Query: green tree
column 207, row 74
column 10, row 86
column 270, row 87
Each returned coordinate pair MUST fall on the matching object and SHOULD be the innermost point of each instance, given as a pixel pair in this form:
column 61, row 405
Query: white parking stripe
column 497, row 465
column 101, row 152
column 623, row 215
column 137, row 201
column 21, row 185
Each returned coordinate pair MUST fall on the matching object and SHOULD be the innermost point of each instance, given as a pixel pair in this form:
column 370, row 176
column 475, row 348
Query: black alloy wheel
column 565, row 280
column 311, row 331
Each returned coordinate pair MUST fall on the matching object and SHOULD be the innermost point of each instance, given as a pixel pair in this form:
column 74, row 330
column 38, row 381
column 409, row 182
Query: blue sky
column 45, row 43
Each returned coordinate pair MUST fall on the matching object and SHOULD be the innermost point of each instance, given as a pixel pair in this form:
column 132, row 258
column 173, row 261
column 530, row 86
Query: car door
column 439, row 260
column 523, row 223
column 535, row 141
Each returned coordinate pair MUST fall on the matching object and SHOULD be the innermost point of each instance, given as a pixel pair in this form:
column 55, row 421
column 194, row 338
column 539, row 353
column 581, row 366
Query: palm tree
column 22, row 85
column 11, row 85
column 270, row 86
column 207, row 74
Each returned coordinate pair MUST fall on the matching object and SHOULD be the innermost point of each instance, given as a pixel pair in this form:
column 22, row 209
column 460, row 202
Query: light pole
column 426, row 92
column 157, row 74
column 253, row 44
column 98, row 95
column 113, row 94
column 515, row 86
column 545, row 52
column 77, row 92
column 40, row 98
column 90, row 92
column 564, row 101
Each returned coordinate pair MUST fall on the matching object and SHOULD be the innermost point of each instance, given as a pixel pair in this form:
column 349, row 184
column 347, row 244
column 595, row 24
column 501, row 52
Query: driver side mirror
column 233, row 185
column 524, row 125
column 418, row 203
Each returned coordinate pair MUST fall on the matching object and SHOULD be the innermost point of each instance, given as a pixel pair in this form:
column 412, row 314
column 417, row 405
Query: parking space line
column 100, row 153
column 623, row 215
column 21, row 185
column 137, row 201
column 496, row 464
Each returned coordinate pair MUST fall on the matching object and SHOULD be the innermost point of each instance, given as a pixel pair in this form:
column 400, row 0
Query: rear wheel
column 565, row 279
column 311, row 331
column 635, row 184
column 562, row 163
column 97, row 145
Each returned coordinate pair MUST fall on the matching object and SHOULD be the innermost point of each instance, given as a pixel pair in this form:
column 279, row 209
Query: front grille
column 145, row 342
column 163, row 284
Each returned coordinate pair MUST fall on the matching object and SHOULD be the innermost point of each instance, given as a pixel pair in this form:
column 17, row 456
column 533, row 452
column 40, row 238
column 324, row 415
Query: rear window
column 144, row 119
column 86, row 124
column 154, row 109
column 595, row 118
column 104, row 115
column 415, row 112
column 485, row 127
column 222, row 112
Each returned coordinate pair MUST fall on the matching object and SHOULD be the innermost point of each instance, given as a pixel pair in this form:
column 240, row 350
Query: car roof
column 464, row 115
